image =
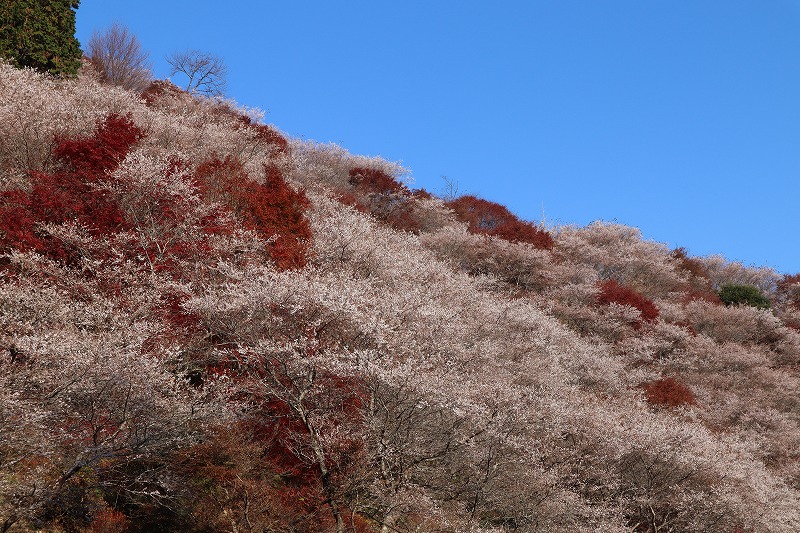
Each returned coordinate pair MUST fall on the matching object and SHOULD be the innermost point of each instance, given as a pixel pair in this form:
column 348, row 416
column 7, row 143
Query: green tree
column 743, row 294
column 40, row 34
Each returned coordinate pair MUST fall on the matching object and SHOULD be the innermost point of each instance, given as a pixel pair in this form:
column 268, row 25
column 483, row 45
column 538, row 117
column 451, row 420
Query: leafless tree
column 118, row 56
column 450, row 189
column 206, row 72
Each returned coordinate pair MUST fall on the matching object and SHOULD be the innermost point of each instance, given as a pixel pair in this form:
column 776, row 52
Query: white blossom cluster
column 440, row 381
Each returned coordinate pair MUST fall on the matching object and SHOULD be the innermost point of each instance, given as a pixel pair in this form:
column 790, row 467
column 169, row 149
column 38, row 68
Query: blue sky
column 681, row 118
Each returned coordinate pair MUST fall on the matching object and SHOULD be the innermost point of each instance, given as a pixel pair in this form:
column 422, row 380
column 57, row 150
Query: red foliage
column 699, row 286
column 375, row 181
column 280, row 427
column 103, row 151
column 158, row 89
column 790, row 284
column 384, row 197
column 789, row 280
column 422, row 194
column 491, row 218
column 401, row 216
column 353, row 201
column 72, row 194
column 613, row 292
column 108, row 521
column 17, row 222
column 707, row 295
column 273, row 209
column 668, row 392
column 694, row 267
column 791, row 323
column 265, row 133
column 685, row 324
column 272, row 137
column 171, row 309
column 396, row 210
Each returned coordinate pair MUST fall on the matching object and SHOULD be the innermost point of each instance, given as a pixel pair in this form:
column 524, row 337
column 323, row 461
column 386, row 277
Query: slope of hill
column 206, row 326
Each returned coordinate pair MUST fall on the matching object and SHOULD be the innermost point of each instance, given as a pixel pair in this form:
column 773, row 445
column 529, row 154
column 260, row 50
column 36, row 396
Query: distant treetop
column 205, row 73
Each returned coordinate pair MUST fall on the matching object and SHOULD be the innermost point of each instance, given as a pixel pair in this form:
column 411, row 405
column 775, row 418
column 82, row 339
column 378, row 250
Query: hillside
column 208, row 326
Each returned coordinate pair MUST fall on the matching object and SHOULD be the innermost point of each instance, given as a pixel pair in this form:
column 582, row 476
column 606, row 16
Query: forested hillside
column 208, row 326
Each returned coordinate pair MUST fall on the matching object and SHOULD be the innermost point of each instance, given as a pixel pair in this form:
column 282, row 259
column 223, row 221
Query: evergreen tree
column 40, row 34
column 731, row 294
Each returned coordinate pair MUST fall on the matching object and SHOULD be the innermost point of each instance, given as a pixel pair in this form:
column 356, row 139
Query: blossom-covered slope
column 206, row 326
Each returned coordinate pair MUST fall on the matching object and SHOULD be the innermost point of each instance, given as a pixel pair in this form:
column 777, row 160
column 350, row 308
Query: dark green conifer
column 40, row 34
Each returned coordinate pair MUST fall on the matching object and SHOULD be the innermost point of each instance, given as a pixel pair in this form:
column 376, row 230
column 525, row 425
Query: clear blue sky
column 681, row 118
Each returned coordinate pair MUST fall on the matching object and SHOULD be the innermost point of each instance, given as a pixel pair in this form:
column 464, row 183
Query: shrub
column 731, row 294
column 791, row 322
column 741, row 324
column 490, row 218
column 397, row 211
column 273, row 209
column 264, row 133
column 383, row 197
column 74, row 194
column 374, row 181
column 101, row 153
column 789, row 287
column 159, row 89
column 613, row 292
column 619, row 252
column 108, row 521
column 668, row 392
column 422, row 194
column 691, row 294
column 270, row 136
column 693, row 267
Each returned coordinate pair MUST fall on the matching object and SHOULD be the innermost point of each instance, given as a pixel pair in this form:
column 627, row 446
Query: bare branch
column 118, row 56
column 206, row 73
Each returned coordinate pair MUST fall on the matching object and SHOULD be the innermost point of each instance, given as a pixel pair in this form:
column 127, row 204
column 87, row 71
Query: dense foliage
column 612, row 292
column 40, row 34
column 208, row 326
column 734, row 294
column 483, row 216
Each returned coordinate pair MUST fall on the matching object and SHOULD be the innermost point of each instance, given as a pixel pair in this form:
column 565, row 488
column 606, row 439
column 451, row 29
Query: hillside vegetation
column 208, row 326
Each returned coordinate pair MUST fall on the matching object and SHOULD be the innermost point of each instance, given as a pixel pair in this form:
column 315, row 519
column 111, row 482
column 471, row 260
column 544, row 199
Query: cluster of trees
column 207, row 326
column 40, row 34
column 120, row 60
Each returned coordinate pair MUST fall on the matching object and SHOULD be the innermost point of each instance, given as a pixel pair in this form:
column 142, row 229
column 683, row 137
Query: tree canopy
column 40, row 34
